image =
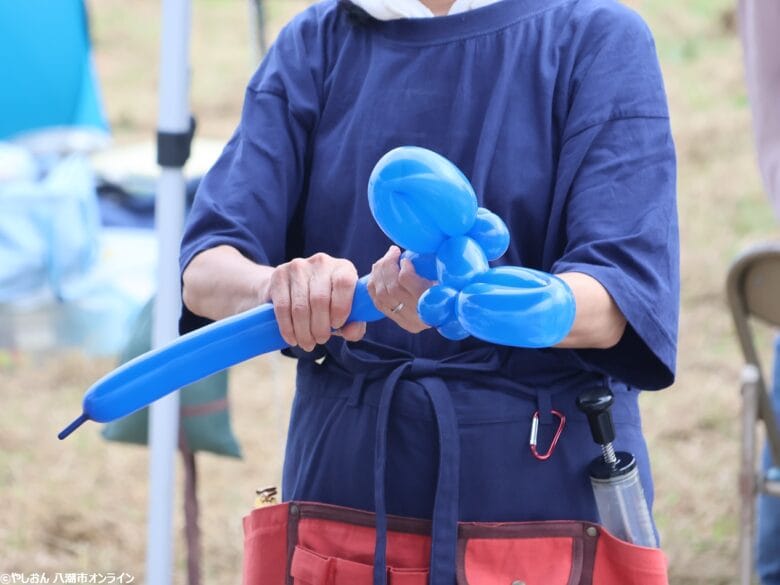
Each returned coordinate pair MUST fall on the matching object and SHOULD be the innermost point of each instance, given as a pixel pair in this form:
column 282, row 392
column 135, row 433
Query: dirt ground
column 81, row 505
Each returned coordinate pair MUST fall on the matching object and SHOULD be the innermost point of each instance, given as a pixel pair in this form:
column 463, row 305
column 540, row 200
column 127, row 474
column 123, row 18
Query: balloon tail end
column 73, row 426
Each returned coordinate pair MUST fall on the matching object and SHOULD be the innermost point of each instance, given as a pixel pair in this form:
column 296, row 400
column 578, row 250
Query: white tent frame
column 173, row 118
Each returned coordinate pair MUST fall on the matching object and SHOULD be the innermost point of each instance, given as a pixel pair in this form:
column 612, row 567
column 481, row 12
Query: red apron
column 317, row 544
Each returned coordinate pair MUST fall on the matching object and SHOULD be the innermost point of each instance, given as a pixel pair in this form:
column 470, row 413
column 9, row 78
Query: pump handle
column 596, row 405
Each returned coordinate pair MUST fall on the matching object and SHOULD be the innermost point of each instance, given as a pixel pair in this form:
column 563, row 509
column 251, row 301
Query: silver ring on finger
column 398, row 308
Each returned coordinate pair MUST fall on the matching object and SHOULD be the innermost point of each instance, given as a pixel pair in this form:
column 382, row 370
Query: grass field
column 81, row 506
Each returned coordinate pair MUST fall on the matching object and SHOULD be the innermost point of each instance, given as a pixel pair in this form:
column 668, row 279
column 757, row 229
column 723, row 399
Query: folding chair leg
column 747, row 476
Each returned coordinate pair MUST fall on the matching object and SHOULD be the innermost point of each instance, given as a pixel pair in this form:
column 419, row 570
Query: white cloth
column 760, row 20
column 394, row 9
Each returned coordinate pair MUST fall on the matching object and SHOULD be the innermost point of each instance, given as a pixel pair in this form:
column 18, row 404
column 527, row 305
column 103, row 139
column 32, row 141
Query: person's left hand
column 395, row 290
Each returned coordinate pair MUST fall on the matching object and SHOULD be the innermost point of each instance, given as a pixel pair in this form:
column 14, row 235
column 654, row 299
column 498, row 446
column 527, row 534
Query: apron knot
column 423, row 367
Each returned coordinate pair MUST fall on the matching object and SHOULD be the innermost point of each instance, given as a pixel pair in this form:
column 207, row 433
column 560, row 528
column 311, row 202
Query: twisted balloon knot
column 457, row 262
column 425, row 204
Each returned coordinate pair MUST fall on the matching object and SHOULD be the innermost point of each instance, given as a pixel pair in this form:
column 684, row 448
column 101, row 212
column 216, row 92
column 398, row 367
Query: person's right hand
column 312, row 298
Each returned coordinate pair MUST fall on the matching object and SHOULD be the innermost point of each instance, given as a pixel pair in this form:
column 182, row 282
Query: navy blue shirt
column 556, row 112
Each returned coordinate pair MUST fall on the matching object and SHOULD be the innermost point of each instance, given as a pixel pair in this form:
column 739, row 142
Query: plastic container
column 621, row 500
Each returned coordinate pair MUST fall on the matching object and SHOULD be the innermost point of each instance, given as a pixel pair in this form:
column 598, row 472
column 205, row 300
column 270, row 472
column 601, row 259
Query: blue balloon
column 423, row 203
column 437, row 305
column 491, row 233
column 419, row 198
column 363, row 308
column 453, row 331
column 459, row 260
column 194, row 356
column 424, row 264
column 518, row 307
column 188, row 359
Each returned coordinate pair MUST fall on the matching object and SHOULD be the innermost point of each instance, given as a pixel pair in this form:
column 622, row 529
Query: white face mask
column 394, row 9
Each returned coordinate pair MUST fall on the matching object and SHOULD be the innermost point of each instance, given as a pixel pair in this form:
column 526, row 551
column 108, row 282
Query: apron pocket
column 621, row 563
column 265, row 545
column 407, row 576
column 554, row 553
column 532, row 561
column 310, row 568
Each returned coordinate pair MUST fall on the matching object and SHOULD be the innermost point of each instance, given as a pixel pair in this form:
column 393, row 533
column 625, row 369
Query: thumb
column 353, row 331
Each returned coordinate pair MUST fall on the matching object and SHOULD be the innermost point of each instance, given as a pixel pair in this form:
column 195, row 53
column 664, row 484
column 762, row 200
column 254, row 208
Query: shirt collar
column 395, row 9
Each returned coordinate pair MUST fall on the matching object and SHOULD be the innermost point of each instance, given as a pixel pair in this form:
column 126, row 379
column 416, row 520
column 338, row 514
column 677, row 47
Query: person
column 556, row 112
column 759, row 22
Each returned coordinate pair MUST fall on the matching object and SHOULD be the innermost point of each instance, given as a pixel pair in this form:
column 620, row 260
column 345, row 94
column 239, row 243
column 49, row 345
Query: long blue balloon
column 425, row 204
column 194, row 356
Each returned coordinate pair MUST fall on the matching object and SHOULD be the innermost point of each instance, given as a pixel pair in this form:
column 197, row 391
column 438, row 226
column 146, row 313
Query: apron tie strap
column 444, row 532
column 369, row 361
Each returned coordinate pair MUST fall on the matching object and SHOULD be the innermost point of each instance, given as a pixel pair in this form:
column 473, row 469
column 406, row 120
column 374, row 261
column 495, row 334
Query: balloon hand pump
column 614, row 476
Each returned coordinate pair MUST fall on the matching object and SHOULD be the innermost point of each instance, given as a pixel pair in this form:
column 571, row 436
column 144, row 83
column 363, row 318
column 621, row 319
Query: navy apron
column 369, row 375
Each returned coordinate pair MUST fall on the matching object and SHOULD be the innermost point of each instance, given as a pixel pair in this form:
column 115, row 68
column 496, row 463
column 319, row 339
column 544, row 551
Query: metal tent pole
column 174, row 135
column 257, row 20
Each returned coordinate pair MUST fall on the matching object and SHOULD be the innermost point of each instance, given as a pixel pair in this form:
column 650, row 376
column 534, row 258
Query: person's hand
column 312, row 298
column 395, row 290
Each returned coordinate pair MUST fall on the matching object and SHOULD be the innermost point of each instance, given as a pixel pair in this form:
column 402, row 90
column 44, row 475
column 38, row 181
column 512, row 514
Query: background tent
column 48, row 78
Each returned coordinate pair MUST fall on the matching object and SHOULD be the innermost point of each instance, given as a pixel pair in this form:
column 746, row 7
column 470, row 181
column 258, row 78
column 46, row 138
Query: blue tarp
column 46, row 74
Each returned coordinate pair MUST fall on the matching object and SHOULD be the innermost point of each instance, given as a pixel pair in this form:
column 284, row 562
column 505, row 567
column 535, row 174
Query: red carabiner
column 535, row 434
